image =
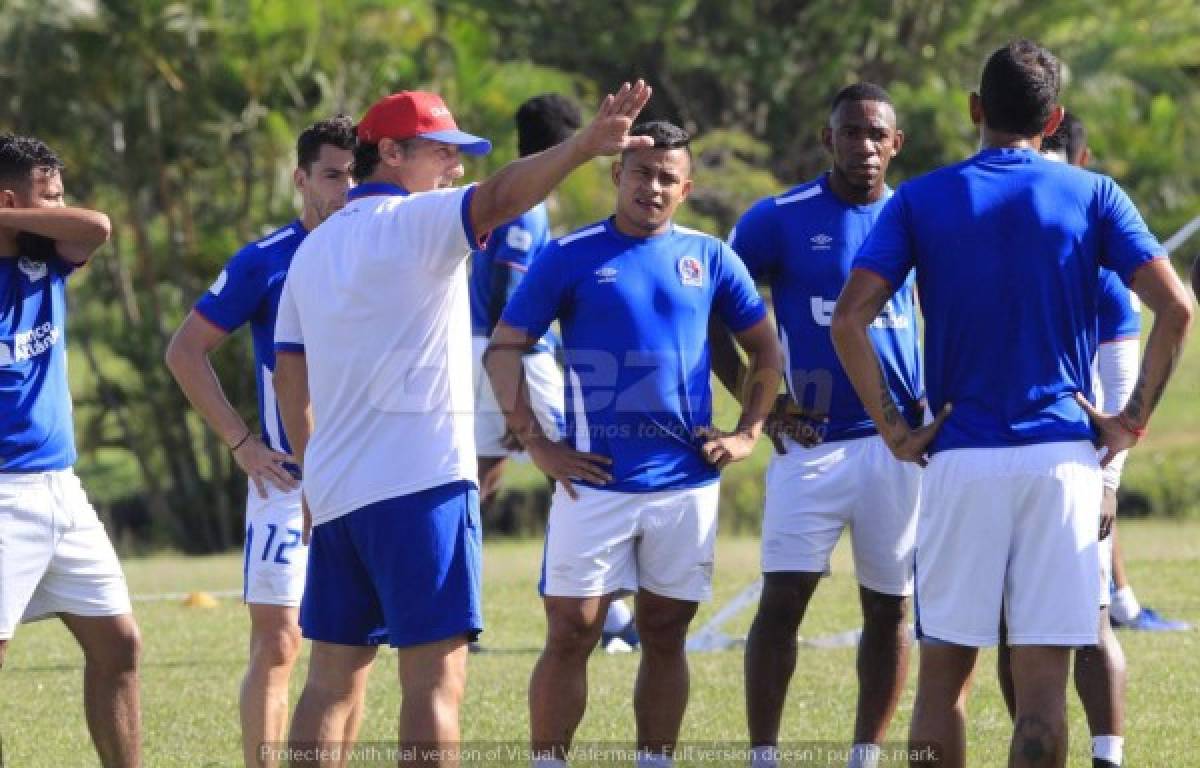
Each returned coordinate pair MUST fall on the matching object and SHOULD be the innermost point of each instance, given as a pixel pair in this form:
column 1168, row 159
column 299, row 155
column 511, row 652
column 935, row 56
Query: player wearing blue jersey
column 635, row 510
column 1007, row 248
column 802, row 243
column 373, row 363
column 55, row 557
column 247, row 292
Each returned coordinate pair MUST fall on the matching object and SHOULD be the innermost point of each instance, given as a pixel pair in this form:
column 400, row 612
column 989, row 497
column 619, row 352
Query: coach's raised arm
column 524, row 183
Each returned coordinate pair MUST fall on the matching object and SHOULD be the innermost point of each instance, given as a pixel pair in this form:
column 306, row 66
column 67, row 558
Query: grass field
column 194, row 658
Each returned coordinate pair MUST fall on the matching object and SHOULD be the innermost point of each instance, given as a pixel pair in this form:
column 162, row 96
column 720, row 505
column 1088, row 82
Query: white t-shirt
column 377, row 300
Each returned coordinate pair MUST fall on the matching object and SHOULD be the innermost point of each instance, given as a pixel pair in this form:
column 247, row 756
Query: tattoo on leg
column 1034, row 740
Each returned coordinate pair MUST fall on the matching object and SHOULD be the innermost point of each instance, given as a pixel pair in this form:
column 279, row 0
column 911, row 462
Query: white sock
column 1110, row 748
column 654, row 760
column 766, row 756
column 548, row 762
column 1125, row 605
column 618, row 617
column 864, row 755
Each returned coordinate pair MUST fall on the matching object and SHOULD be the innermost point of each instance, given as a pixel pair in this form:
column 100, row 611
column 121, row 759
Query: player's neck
column 627, row 227
column 854, row 195
column 989, row 139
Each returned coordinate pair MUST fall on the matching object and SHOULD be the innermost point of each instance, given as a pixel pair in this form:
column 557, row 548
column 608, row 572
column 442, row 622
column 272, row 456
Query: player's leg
column 433, row 679
column 660, row 693
column 589, row 558
column 964, row 525
column 1050, row 591
column 809, row 500
column 336, row 675
column 1004, row 670
column 558, row 685
column 674, row 571
column 84, row 585
column 274, row 565
column 771, row 651
column 111, row 650
column 938, row 732
column 263, row 704
column 883, row 533
column 1100, row 670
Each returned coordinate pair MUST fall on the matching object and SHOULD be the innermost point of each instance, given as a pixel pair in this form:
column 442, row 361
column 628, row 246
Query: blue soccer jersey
column 36, row 433
column 634, row 317
column 1007, row 248
column 802, row 244
column 247, row 291
column 1118, row 311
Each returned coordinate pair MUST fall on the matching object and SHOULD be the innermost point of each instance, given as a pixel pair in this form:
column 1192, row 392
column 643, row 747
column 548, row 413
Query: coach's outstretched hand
column 914, row 444
column 1111, row 434
column 564, row 464
column 608, row 132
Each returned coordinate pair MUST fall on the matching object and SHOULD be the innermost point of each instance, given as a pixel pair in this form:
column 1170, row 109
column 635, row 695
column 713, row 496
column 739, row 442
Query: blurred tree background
column 178, row 118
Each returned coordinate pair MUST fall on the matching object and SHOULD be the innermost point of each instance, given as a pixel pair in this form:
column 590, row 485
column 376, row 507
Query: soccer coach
column 373, row 323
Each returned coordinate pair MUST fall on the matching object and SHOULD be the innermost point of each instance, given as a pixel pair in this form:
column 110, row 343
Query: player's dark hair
column 1019, row 88
column 666, row 135
column 20, row 156
column 863, row 91
column 1070, row 138
column 366, row 160
column 336, row 132
column 545, row 121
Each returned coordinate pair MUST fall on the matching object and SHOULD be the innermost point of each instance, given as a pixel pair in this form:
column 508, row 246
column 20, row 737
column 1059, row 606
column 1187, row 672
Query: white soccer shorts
column 55, row 556
column 274, row 559
column 608, row 542
column 1012, row 526
column 813, row 493
column 545, row 380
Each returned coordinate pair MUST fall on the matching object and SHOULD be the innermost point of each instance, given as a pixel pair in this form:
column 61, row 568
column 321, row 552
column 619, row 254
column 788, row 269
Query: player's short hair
column 544, row 121
column 20, row 156
column 1070, row 138
column 1019, row 88
column 666, row 135
column 862, row 91
column 336, row 132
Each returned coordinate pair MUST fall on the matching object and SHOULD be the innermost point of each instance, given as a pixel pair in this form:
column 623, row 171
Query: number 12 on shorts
column 291, row 540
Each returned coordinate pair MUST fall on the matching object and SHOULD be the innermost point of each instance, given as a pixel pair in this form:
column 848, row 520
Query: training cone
column 200, row 600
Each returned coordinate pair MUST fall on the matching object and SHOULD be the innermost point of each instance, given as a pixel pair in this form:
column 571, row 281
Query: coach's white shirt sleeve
column 1116, row 369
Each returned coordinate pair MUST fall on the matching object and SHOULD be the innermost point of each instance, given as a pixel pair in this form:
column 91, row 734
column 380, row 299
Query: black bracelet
column 242, row 442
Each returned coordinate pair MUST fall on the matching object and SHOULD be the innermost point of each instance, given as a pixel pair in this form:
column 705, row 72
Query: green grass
column 194, row 659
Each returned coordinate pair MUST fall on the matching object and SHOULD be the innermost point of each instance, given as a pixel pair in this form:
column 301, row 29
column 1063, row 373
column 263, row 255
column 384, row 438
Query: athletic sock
column 1109, row 749
column 1125, row 607
column 618, row 617
column 766, row 756
column 865, row 755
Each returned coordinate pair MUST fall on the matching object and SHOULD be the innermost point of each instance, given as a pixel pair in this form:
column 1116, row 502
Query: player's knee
column 121, row 651
column 780, row 611
column 570, row 631
column 277, row 646
column 663, row 632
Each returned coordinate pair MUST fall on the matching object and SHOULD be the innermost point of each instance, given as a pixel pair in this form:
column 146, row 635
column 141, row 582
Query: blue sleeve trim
column 751, row 318
column 289, row 346
column 473, row 240
column 207, row 315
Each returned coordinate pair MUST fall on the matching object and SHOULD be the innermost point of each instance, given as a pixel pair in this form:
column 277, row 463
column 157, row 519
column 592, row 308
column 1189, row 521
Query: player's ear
column 827, row 138
column 8, row 198
column 298, row 178
column 897, row 142
column 686, row 190
column 615, row 172
column 975, row 105
column 1085, row 157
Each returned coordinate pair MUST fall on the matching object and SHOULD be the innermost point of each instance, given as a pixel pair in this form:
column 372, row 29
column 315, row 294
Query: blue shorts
column 405, row 571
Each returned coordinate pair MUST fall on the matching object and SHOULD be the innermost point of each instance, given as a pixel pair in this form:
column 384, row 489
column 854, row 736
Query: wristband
column 1128, row 425
column 242, row 442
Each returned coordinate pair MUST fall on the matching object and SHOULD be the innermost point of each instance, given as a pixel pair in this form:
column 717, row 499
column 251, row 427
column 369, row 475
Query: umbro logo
column 820, row 241
column 606, row 275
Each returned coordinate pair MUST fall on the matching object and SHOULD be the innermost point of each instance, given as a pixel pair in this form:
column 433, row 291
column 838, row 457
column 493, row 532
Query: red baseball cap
column 408, row 114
